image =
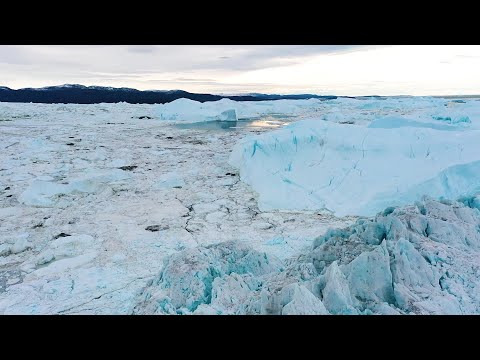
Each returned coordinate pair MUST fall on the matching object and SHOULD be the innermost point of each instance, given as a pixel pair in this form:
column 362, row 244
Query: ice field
column 344, row 206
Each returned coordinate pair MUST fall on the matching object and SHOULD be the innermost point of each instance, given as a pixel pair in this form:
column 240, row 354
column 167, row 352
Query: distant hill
column 79, row 94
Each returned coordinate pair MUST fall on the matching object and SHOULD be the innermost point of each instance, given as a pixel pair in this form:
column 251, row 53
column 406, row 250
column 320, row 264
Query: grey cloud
column 14, row 55
column 192, row 80
column 117, row 76
column 262, row 56
column 163, row 58
column 139, row 63
column 169, row 81
column 142, row 49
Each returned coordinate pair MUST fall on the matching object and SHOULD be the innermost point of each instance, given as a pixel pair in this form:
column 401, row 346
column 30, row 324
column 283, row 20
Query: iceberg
column 355, row 170
column 194, row 111
column 229, row 110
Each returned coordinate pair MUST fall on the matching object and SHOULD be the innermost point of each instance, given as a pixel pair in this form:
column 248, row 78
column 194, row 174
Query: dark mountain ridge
column 80, row 94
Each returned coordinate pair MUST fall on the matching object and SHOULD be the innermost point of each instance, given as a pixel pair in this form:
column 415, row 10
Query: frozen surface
column 421, row 259
column 94, row 199
column 130, row 191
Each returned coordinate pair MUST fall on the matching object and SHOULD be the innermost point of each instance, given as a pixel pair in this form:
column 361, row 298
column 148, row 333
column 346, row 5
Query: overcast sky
column 321, row 69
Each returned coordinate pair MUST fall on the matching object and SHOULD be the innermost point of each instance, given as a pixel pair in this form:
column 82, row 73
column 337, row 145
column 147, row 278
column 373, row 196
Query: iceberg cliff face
column 356, row 170
column 419, row 259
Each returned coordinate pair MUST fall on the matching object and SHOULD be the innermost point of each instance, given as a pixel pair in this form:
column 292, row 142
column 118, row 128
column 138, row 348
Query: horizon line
column 235, row 94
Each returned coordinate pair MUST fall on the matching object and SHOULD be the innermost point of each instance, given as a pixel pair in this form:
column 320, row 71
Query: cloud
column 142, row 49
column 468, row 56
column 160, row 58
column 39, row 65
column 254, row 68
column 193, row 80
column 256, row 57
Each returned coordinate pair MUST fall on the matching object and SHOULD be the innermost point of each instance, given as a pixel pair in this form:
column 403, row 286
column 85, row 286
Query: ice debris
column 419, row 259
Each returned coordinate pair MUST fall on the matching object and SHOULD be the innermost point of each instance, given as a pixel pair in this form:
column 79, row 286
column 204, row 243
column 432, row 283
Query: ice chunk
column 228, row 115
column 169, row 180
column 5, row 249
column 369, row 276
column 231, row 292
column 47, row 194
column 336, row 294
column 45, row 257
column 21, row 244
column 301, row 301
column 42, row 193
column 409, row 268
column 63, row 265
column 72, row 245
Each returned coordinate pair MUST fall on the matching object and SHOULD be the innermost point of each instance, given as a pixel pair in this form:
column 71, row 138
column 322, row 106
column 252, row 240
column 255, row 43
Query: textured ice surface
column 421, row 259
column 187, row 279
column 355, row 170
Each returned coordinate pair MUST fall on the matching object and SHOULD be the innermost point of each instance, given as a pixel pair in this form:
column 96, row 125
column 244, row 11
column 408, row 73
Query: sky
column 230, row 69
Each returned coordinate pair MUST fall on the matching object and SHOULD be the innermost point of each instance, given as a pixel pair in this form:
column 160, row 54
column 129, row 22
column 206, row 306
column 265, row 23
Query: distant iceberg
column 229, row 110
